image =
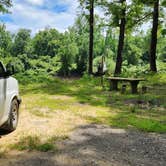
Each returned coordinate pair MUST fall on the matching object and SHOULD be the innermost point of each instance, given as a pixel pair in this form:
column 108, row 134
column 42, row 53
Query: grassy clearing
column 53, row 108
column 31, row 143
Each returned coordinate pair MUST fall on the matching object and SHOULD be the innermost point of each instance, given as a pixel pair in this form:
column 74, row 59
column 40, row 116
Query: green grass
column 125, row 110
column 31, row 143
column 132, row 120
column 54, row 107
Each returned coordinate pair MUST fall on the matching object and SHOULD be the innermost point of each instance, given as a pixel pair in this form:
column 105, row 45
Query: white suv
column 9, row 99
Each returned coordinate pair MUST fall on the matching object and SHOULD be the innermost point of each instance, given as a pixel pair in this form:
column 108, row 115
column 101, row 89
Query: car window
column 1, row 70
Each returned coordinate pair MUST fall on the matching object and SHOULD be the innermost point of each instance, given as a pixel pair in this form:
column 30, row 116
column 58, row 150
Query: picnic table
column 133, row 82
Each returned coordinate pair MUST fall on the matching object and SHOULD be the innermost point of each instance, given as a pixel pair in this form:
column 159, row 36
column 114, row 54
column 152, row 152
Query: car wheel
column 12, row 122
column 13, row 116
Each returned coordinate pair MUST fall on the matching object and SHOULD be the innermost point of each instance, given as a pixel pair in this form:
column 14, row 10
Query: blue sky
column 38, row 14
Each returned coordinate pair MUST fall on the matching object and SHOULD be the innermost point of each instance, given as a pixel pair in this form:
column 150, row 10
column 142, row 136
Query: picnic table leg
column 134, row 85
column 113, row 85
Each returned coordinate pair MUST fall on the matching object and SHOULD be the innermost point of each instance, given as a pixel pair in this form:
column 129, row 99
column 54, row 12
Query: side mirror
column 9, row 69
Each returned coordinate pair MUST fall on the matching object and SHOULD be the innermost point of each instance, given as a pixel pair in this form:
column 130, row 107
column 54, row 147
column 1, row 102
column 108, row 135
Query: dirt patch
column 98, row 145
column 61, row 97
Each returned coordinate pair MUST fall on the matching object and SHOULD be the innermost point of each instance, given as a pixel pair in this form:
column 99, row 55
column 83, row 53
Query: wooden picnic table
column 133, row 82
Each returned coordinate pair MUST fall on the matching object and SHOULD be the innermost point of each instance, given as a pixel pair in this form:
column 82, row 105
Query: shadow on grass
column 100, row 145
column 83, row 90
column 32, row 143
column 89, row 91
column 124, row 118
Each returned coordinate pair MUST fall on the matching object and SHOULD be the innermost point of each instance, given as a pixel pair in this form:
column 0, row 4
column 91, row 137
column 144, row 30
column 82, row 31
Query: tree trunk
column 121, row 42
column 153, row 45
column 91, row 36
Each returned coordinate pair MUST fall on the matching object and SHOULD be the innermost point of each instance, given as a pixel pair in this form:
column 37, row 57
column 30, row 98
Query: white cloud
column 35, row 2
column 29, row 15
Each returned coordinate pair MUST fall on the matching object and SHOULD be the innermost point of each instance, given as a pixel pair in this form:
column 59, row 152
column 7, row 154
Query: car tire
column 12, row 122
column 13, row 115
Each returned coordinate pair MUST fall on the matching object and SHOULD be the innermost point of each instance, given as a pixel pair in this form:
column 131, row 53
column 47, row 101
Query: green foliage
column 161, row 50
column 142, row 70
column 157, row 79
column 132, row 50
column 80, row 34
column 21, row 41
column 51, row 52
column 144, row 111
column 5, row 41
column 5, row 5
column 33, row 143
column 67, row 54
column 46, row 42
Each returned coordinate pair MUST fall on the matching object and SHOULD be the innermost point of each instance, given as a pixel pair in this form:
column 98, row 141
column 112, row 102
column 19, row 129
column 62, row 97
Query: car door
column 2, row 91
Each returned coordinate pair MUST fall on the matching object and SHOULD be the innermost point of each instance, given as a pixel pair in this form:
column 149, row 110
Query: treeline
column 80, row 48
column 126, row 15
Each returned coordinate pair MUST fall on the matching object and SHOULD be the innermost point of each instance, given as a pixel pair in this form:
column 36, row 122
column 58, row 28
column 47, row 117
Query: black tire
column 12, row 122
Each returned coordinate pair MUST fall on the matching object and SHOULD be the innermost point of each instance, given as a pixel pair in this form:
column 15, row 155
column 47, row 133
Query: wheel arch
column 13, row 97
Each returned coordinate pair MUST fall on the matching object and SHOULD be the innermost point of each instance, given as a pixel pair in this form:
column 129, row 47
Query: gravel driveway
column 98, row 145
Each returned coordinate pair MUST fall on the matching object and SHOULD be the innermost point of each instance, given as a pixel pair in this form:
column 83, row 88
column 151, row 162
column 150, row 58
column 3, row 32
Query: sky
column 39, row 14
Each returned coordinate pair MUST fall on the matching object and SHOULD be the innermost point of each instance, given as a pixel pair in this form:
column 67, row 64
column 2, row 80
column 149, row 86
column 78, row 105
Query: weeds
column 33, row 143
column 53, row 108
column 131, row 108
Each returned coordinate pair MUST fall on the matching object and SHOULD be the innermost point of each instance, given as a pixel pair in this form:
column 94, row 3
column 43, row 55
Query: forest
column 68, row 53
column 69, row 116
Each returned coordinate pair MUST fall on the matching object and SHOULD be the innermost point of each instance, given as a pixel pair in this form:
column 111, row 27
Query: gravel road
column 98, row 145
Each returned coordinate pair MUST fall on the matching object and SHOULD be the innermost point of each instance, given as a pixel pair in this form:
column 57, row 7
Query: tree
column 121, row 38
column 91, row 36
column 89, row 4
column 4, row 36
column 153, row 46
column 46, row 42
column 5, row 41
column 80, row 32
column 67, row 52
column 133, row 50
column 158, row 15
column 124, row 15
column 4, row 5
column 21, row 41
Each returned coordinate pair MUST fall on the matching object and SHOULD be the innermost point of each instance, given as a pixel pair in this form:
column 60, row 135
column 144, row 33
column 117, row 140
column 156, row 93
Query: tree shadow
column 83, row 91
column 100, row 145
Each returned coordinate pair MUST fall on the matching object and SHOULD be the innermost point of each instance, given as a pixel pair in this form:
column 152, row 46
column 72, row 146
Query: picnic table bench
column 133, row 82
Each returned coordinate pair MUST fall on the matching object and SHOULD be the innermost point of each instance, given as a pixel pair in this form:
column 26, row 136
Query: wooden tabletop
column 125, row 79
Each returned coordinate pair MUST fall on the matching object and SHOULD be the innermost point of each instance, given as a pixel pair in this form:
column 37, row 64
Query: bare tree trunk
column 121, row 42
column 153, row 45
column 91, row 36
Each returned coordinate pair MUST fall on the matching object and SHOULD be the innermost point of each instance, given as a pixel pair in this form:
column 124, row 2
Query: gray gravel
column 98, row 145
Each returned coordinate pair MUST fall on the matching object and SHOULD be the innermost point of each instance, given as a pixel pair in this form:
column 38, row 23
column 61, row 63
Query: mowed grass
column 54, row 107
